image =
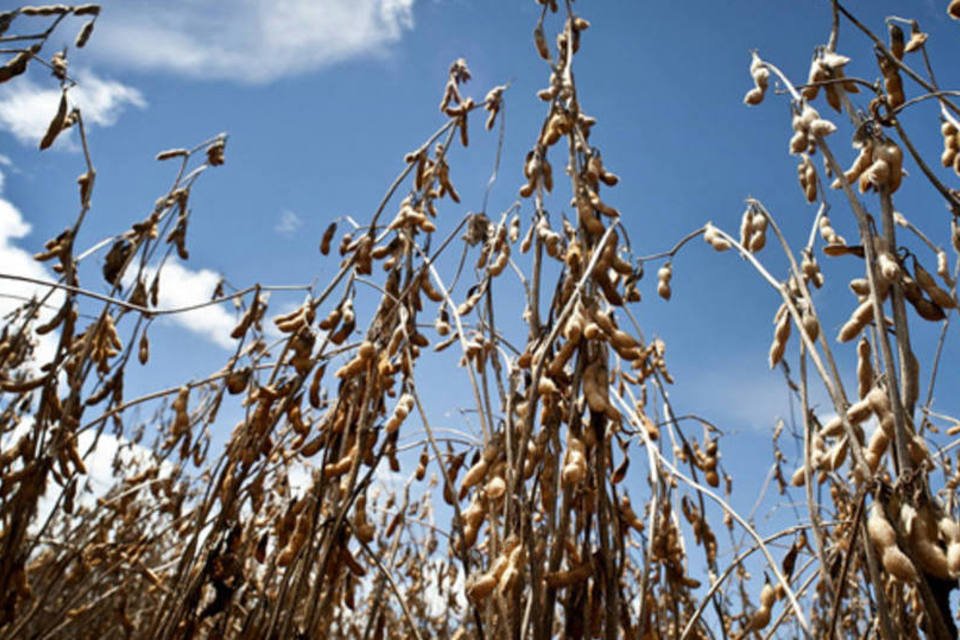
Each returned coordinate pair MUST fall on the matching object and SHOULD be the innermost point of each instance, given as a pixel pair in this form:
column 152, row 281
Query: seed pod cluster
column 811, row 270
column 808, row 127
column 883, row 536
column 829, row 234
column 713, row 237
column 951, row 145
column 502, row 575
column 807, row 176
column 706, row 460
column 761, row 79
column 400, row 412
column 885, row 168
column 575, row 463
column 493, row 103
column 892, row 81
column 827, row 67
column 753, row 230
column 667, row 548
column 761, row 617
column 251, row 318
column 595, row 172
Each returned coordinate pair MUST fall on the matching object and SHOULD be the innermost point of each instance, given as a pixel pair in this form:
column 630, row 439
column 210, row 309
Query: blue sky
column 322, row 99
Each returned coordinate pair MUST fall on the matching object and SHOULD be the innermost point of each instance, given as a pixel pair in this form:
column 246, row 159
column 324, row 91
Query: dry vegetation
column 543, row 539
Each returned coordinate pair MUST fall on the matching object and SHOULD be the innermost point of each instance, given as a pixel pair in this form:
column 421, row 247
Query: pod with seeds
column 347, row 323
column 575, row 464
column 951, row 145
column 860, row 164
column 807, row 176
column 758, row 235
column 876, row 176
column 928, row 310
column 861, row 316
column 84, row 34
column 930, row 286
column 821, row 127
column 479, row 589
column 781, row 334
column 343, row 465
column 359, row 362
column 664, row 274
column 864, row 368
column 568, row 577
column 922, row 534
column 746, row 226
column 876, row 446
column 892, row 81
column 495, row 488
column 831, row 66
column 888, row 267
column 296, row 320
column 56, row 124
column 595, row 387
column 761, row 79
column 890, row 153
column 173, row 153
column 714, row 238
column 761, row 617
column 882, row 535
column 859, row 411
column 897, row 40
column 327, row 238
column 817, row 73
column 540, row 40
column 474, row 476
column 811, row 270
column 811, row 326
column 829, row 234
column 143, row 353
column 949, row 533
column 404, row 406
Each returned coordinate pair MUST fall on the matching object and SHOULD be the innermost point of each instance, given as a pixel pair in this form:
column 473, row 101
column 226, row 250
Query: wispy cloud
column 288, row 224
column 179, row 287
column 26, row 107
column 183, row 287
column 250, row 41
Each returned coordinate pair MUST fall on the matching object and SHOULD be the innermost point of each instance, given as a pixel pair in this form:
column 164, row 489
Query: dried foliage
column 526, row 528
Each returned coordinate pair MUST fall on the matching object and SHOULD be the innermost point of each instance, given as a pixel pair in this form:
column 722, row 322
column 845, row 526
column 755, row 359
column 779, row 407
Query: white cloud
column 182, row 287
column 98, row 458
column 26, row 107
column 251, row 41
column 179, row 287
column 288, row 224
column 14, row 260
column 6, row 162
